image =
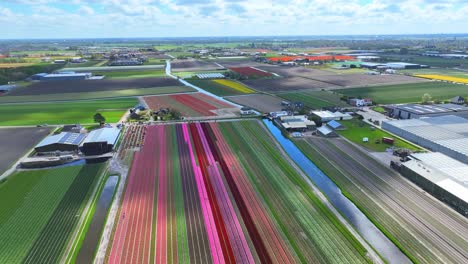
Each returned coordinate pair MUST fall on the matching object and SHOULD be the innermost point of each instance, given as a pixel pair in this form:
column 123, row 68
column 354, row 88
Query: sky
column 26, row 19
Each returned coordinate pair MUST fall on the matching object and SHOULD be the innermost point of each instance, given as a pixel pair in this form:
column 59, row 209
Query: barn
column 100, row 141
column 65, row 141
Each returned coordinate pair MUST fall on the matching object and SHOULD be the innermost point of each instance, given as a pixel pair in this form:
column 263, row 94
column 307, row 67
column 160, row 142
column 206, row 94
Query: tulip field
column 223, row 193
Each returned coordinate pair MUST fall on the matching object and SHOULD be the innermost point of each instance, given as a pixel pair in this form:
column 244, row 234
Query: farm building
column 335, row 125
column 408, row 111
column 372, row 65
column 446, row 134
column 360, row 102
column 100, row 141
column 299, row 123
column 457, row 100
column 247, row 111
column 278, row 114
column 6, row 88
column 325, row 131
column 64, row 141
column 73, row 128
column 326, row 116
column 66, row 76
column 402, row 65
column 443, row 177
column 38, row 76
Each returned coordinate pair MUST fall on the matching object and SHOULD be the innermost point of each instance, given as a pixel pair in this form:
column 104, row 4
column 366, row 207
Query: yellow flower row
column 234, row 85
column 443, row 78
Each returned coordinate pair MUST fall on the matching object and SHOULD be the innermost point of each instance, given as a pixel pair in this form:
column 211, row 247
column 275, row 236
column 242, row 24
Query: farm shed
column 446, row 134
column 402, row 65
column 247, row 111
column 64, row 141
column 326, row 132
column 326, row 116
column 100, row 141
column 335, row 125
column 443, row 177
column 408, row 111
column 457, row 100
column 66, row 76
column 297, row 123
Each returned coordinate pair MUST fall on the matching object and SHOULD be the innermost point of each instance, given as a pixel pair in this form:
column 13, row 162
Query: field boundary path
column 169, row 73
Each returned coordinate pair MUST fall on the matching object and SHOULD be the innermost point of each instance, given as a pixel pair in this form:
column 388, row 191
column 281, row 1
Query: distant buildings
column 61, row 76
column 392, row 65
column 360, row 102
column 297, row 123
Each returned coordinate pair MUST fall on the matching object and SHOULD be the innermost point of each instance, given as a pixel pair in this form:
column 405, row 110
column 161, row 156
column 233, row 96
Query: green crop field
column 355, row 132
column 41, row 213
column 131, row 74
column 218, row 88
column 314, row 99
column 64, row 113
column 437, row 71
column 315, row 233
column 95, row 95
column 407, row 93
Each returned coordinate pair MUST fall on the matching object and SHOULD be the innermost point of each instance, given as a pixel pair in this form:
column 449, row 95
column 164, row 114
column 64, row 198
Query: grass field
column 356, row 133
column 131, row 74
column 408, row 93
column 222, row 87
column 41, row 213
column 64, row 113
column 96, row 95
column 314, row 99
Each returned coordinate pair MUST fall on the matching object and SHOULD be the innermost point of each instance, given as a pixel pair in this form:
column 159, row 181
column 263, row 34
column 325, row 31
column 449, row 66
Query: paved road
column 441, row 232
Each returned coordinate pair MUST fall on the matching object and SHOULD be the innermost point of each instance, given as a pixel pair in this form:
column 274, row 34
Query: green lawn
column 129, row 74
column 96, row 95
column 314, row 99
column 36, row 199
column 355, row 133
column 408, row 93
column 64, row 113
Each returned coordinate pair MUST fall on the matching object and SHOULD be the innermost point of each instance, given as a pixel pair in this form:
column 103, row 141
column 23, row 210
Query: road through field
column 437, row 232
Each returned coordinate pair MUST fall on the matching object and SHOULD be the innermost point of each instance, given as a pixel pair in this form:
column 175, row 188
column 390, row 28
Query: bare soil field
column 352, row 80
column 15, row 142
column 287, row 84
column 228, row 63
column 261, row 102
column 193, row 65
column 79, row 86
column 287, row 71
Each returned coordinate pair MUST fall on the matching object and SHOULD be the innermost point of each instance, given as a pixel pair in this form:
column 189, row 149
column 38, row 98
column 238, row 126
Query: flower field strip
column 239, row 87
column 32, row 199
column 268, row 241
column 194, row 103
column 443, row 78
column 214, row 87
column 210, row 225
column 131, row 243
column 249, row 71
column 235, row 246
column 213, row 202
column 49, row 246
column 197, row 237
column 212, row 101
column 166, row 101
column 313, row 231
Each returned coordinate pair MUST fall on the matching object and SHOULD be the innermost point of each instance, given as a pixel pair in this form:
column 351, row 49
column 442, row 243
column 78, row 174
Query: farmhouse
column 326, row 116
column 446, row 134
column 408, row 111
column 441, row 176
column 247, row 111
column 360, row 102
column 64, row 141
column 299, row 123
column 100, row 141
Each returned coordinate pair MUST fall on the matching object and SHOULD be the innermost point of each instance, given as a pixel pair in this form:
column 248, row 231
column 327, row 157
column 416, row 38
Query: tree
column 426, row 98
column 98, row 118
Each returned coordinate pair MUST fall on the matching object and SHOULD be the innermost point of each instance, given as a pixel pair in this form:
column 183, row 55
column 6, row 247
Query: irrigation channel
column 363, row 225
column 90, row 243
